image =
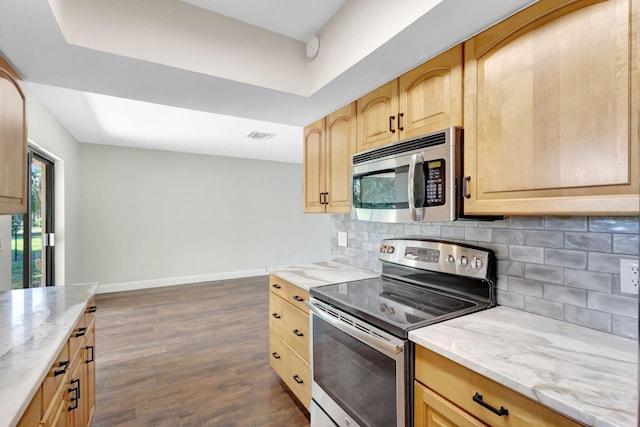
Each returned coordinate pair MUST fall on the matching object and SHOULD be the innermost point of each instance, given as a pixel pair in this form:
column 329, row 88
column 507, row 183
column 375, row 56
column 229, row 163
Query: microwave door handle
column 415, row 158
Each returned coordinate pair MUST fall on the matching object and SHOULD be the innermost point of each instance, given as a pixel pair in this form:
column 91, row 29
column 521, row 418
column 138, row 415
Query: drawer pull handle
column 276, row 315
column 400, row 116
column 297, row 379
column 275, row 355
column 64, row 365
column 81, row 332
column 92, row 309
column 499, row 412
column 298, row 333
column 93, row 353
column 297, row 298
column 276, row 286
column 391, row 119
column 76, row 394
column 465, row 189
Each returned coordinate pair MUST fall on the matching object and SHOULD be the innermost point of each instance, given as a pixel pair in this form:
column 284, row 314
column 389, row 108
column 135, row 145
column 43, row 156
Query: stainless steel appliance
column 361, row 359
column 414, row 180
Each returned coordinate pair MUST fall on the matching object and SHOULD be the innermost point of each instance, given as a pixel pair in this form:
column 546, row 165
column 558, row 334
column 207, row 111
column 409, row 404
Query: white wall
column 151, row 215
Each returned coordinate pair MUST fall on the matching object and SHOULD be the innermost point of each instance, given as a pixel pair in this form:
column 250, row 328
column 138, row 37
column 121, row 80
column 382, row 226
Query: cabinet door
column 13, row 146
column 551, row 111
column 89, row 366
column 340, row 144
column 377, row 115
column 314, row 168
column 433, row 410
column 431, row 95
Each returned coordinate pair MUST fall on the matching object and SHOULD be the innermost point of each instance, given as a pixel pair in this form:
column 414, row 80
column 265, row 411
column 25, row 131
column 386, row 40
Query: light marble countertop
column 307, row 276
column 584, row 374
column 34, row 326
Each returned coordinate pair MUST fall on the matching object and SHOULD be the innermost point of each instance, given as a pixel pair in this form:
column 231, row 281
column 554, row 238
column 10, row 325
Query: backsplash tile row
column 566, row 268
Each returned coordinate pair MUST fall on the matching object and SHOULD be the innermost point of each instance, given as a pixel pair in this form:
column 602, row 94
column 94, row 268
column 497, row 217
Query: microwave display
column 435, row 175
column 382, row 190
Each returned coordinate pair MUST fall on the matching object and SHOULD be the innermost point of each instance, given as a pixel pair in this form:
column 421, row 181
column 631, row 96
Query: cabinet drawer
column 431, row 409
column 56, row 375
column 291, row 324
column 90, row 311
column 77, row 338
column 293, row 370
column 289, row 292
column 56, row 411
column 459, row 385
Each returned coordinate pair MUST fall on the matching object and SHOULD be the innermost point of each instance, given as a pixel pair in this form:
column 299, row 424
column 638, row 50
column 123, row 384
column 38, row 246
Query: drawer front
column 291, row 324
column 77, row 338
column 293, row 370
column 431, row 409
column 459, row 385
column 56, row 410
column 56, row 375
column 90, row 311
column 289, row 292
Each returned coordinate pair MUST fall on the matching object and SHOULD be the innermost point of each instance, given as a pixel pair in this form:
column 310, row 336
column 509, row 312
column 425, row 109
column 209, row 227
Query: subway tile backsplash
column 566, row 268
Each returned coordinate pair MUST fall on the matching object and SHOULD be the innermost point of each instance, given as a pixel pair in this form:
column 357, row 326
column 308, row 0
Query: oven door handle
column 380, row 345
column 416, row 215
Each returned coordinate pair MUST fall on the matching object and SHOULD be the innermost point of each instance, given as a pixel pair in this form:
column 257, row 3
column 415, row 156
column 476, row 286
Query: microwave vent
column 401, row 147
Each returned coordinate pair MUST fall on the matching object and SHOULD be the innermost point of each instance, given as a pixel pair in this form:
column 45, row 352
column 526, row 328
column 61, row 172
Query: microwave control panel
column 435, row 173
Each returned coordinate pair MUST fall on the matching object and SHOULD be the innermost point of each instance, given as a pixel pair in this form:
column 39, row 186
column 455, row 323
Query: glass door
column 33, row 238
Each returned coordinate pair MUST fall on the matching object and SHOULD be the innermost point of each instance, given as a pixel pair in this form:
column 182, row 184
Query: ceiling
column 199, row 75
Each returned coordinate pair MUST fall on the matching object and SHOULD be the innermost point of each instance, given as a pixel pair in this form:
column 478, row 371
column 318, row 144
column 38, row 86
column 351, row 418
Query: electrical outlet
column 342, row 238
column 629, row 276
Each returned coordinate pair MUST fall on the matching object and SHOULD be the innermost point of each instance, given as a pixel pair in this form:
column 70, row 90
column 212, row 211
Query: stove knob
column 390, row 249
column 451, row 259
column 383, row 248
column 463, row 261
column 390, row 311
column 476, row 263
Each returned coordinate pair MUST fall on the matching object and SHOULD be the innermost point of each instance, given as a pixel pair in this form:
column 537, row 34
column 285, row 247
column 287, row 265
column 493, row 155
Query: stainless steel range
column 362, row 361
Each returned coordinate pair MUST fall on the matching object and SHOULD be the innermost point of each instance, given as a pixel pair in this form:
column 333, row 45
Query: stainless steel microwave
column 415, row 180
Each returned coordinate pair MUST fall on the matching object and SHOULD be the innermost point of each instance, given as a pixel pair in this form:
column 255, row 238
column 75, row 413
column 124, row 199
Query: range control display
column 422, row 254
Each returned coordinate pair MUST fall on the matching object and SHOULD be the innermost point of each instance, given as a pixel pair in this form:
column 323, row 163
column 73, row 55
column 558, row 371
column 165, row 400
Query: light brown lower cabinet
column 289, row 337
column 450, row 395
column 66, row 396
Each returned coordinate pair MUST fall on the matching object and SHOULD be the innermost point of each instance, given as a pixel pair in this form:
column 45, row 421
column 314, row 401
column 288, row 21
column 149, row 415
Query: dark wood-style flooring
column 190, row 355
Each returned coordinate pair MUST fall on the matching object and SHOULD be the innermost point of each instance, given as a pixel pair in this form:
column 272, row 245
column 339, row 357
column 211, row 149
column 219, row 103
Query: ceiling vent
column 260, row 136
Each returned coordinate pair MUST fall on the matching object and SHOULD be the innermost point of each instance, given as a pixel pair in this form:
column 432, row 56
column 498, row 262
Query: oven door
column 360, row 373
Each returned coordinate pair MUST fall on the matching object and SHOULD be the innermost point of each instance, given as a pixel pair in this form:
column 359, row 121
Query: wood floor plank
column 190, row 355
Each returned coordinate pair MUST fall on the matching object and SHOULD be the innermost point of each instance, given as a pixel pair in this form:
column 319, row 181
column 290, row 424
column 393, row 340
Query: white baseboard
column 105, row 288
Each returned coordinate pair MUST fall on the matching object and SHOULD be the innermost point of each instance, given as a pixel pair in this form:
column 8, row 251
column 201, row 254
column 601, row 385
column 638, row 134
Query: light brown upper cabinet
column 13, row 144
column 425, row 99
column 328, row 146
column 551, row 111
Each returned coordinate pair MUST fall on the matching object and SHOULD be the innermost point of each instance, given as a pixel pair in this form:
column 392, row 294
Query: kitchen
column 558, row 266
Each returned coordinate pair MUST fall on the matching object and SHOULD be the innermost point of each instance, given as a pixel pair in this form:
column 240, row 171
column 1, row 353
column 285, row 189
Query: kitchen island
column 35, row 325
column 584, row 374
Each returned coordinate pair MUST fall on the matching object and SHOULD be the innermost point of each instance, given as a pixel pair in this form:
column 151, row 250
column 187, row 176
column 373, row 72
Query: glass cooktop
column 393, row 306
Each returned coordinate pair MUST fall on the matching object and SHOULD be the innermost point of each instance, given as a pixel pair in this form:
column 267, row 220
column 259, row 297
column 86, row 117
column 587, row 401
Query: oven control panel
column 439, row 256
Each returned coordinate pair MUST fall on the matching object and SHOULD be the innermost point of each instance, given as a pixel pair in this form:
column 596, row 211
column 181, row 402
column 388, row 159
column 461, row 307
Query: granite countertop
column 307, row 276
column 587, row 375
column 34, row 326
